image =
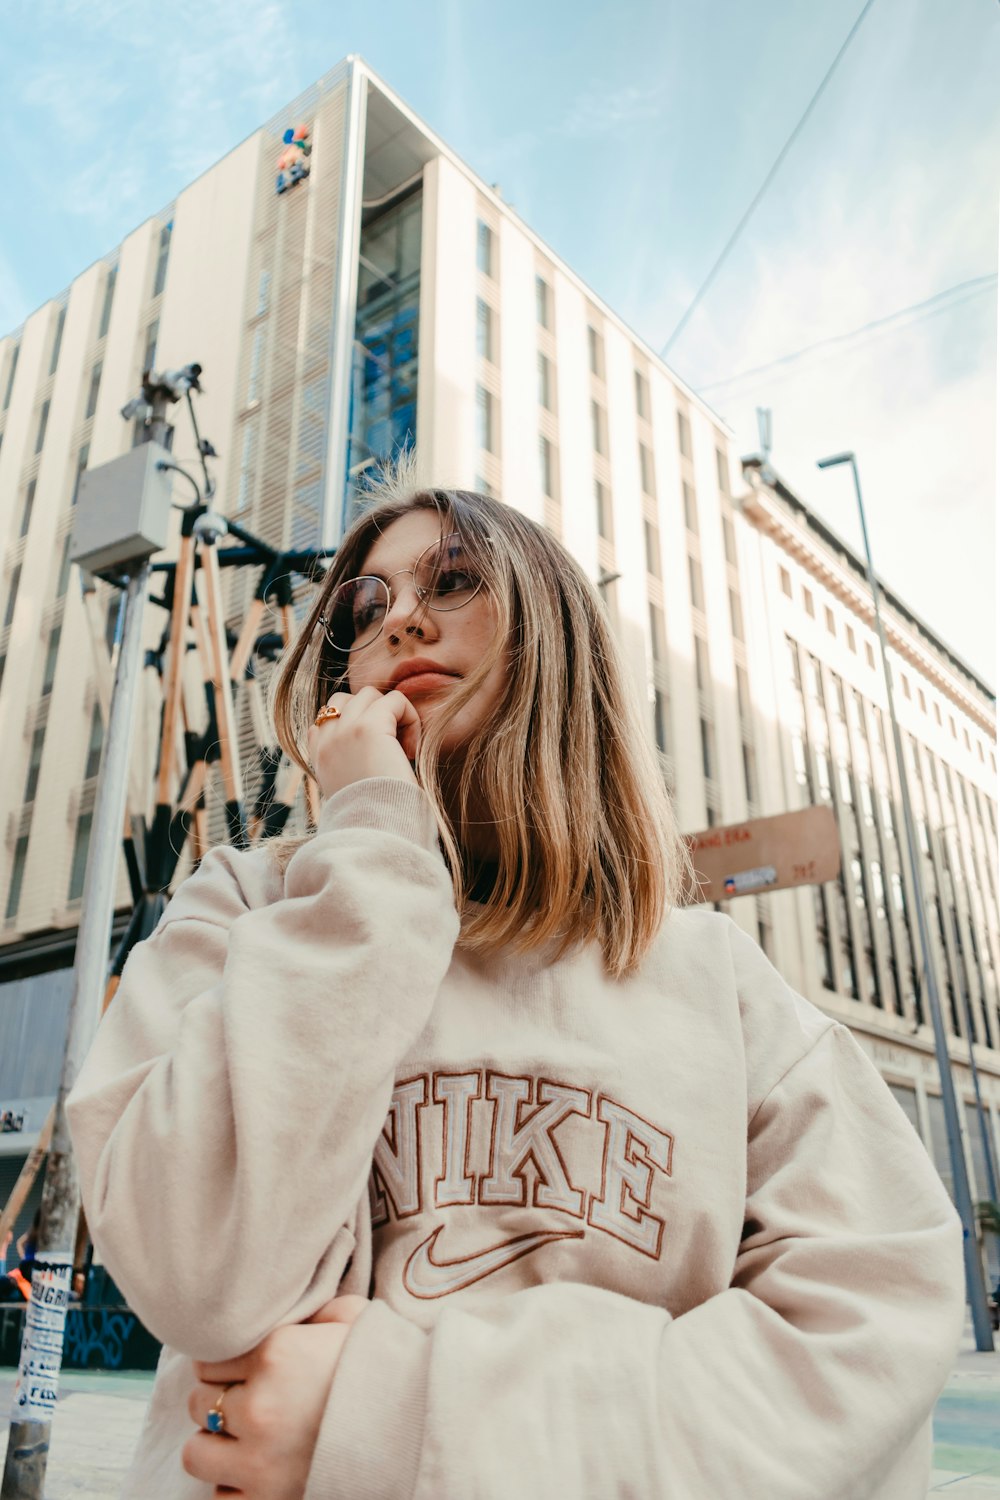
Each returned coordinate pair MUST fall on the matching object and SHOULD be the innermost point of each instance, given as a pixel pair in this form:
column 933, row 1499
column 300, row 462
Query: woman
column 448, row 1154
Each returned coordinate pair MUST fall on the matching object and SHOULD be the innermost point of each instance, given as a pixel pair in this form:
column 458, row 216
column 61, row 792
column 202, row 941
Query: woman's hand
column 273, row 1415
column 377, row 734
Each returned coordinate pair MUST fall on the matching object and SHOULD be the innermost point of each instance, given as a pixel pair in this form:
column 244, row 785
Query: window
column 29, row 503
column 80, row 848
column 57, row 340
column 15, row 584
column 905, row 681
column 937, row 712
column 34, row 763
column 696, row 582
column 43, row 422
column 93, row 763
column 543, row 301
column 10, row 376
column 256, row 365
column 707, row 749
column 149, row 350
column 16, row 877
column 646, row 471
column 661, row 720
column 786, row 581
column 852, row 644
column 544, row 382
column 109, row 297
column 658, row 633
column 48, row 675
column 95, row 386
column 736, row 615
column 595, row 351
column 810, row 607
column 598, row 425
column 869, row 655
column 64, row 567
column 951, row 718
column 684, row 434
column 604, row 519
column 749, row 772
column 484, row 418
column 690, row 507
column 82, row 459
column 642, row 395
column 546, row 467
column 722, row 470
column 484, row 329
column 728, row 539
column 484, row 248
column 162, row 256
column 965, row 736
column 831, row 623
column 921, row 700
column 743, row 696
column 652, row 549
column 702, row 668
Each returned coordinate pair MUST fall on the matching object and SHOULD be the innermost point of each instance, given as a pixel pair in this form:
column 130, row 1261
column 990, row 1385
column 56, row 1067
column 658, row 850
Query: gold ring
column 215, row 1420
column 328, row 712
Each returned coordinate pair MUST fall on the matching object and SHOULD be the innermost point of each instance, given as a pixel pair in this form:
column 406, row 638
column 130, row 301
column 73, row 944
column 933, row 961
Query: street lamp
column 963, row 1196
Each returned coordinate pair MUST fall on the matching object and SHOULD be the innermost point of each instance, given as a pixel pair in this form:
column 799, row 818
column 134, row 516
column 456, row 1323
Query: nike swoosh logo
column 427, row 1278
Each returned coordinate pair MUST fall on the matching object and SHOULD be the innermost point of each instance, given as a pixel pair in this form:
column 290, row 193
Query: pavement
column 99, row 1415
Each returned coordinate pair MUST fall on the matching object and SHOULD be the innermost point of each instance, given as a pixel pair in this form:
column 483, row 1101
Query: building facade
column 386, row 298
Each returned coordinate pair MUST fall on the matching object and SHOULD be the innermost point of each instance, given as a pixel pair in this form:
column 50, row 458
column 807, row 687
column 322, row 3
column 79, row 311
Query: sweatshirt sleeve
column 812, row 1377
column 225, row 1117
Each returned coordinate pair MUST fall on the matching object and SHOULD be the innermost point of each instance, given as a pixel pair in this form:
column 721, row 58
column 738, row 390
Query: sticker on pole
column 750, row 880
column 37, row 1385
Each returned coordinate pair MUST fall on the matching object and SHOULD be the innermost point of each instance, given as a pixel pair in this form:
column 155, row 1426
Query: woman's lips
column 424, row 682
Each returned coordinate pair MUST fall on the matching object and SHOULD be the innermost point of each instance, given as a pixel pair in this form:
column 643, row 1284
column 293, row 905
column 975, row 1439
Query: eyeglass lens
column 444, row 578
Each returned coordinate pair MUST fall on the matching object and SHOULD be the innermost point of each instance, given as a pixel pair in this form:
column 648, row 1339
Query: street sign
column 766, row 854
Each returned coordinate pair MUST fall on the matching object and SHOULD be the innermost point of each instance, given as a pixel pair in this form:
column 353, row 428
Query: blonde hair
column 588, row 849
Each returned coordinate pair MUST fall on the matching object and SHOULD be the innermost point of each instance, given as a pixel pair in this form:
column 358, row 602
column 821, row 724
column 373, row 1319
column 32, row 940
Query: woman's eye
column 454, row 581
column 367, row 614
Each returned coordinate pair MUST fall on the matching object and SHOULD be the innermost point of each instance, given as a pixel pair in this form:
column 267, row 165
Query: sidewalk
column 98, row 1419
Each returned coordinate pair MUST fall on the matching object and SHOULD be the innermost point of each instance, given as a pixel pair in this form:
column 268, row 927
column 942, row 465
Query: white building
column 389, row 297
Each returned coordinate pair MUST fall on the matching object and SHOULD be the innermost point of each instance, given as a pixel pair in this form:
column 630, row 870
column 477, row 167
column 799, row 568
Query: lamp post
column 975, row 1284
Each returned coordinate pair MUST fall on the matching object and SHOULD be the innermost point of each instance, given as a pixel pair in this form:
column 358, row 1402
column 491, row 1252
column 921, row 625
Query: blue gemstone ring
column 215, row 1421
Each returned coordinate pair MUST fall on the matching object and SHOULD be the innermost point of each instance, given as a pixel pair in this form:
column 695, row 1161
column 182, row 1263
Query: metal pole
column 975, row 1284
column 37, row 1384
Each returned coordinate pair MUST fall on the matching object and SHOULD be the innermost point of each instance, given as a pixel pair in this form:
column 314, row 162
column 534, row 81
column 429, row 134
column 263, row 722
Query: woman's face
column 423, row 652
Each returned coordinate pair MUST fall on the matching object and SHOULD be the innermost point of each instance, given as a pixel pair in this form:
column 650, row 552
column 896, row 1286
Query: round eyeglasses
column 443, row 576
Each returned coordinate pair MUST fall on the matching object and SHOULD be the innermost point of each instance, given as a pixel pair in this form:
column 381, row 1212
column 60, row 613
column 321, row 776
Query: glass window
column 484, row 248
column 543, row 301
column 831, row 623
column 736, row 615
column 546, row 467
column 48, row 675
column 646, row 470
column 696, row 583
column 263, row 292
column 905, row 681
column 786, row 581
column 162, row 257
column 10, row 376
column 658, row 633
column 95, row 386
column 544, row 382
column 34, row 763
column 80, row 848
column 743, row 695
column 598, row 422
column 29, row 505
column 652, row 534
column 707, row 749
column 595, row 351
column 484, row 418
column 256, row 365
column 43, row 422
column 82, row 460
column 96, row 735
column 690, row 507
column 109, row 297
column 661, row 716
column 484, row 329
column 749, row 772
column 728, row 539
column 57, row 340
column 149, row 350
column 852, row 644
column 722, row 470
column 702, row 667
column 684, row 434
column 869, row 654
column 64, row 566
column 604, row 517
column 810, row 607
column 642, row 395
column 16, row 877
column 15, row 584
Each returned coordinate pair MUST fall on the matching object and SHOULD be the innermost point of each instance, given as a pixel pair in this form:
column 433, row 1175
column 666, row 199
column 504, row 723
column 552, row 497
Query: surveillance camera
column 209, row 527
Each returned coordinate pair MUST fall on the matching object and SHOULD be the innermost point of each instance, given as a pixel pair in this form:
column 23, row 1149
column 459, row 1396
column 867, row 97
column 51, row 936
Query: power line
column 766, row 183
column 926, row 308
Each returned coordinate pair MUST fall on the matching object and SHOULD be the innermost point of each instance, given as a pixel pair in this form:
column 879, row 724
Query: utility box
column 122, row 513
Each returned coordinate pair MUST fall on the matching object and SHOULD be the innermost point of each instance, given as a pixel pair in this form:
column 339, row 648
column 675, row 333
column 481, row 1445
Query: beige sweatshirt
column 670, row 1236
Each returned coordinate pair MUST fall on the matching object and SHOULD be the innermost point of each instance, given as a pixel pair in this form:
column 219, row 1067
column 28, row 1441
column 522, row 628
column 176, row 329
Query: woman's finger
column 203, row 1397
column 214, row 1460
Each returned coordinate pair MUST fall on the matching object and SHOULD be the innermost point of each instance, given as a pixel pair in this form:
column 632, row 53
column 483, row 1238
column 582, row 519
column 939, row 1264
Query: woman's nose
column 405, row 609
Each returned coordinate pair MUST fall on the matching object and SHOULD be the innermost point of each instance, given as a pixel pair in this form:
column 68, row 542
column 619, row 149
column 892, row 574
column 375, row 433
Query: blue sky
column 631, row 138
